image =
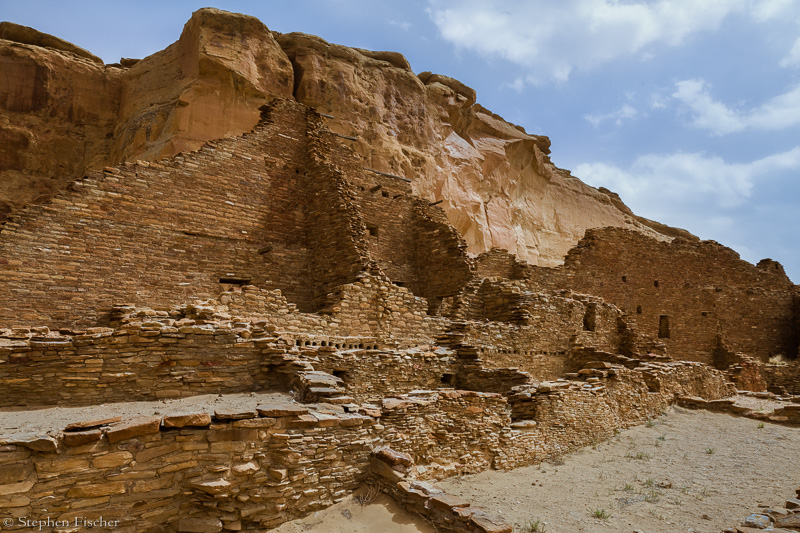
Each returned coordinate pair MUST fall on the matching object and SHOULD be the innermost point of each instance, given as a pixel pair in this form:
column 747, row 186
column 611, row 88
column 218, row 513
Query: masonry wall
column 147, row 360
column 535, row 331
column 189, row 473
column 218, row 346
column 457, row 432
column 158, row 233
column 371, row 375
column 501, row 264
column 685, row 293
column 781, row 379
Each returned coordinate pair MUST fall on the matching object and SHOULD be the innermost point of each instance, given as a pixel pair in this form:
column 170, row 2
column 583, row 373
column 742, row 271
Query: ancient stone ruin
column 316, row 222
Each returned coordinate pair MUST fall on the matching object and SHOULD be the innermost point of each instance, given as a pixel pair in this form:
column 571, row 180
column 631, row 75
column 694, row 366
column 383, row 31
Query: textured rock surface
column 63, row 112
column 57, row 110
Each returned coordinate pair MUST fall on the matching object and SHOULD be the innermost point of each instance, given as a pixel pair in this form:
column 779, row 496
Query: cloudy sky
column 690, row 110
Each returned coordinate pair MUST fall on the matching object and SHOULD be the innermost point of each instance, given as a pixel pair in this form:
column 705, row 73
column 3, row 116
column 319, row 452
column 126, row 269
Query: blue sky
column 689, row 110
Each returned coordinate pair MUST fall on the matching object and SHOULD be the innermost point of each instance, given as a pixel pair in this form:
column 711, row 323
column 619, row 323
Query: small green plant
column 602, row 514
column 651, row 423
column 709, row 451
column 652, row 496
column 649, row 482
column 761, row 425
column 627, row 487
column 662, row 438
column 535, row 526
column 642, row 455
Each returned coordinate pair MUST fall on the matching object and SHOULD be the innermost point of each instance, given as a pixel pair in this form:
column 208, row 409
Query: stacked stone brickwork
column 314, row 257
column 158, row 233
column 234, row 471
column 689, row 295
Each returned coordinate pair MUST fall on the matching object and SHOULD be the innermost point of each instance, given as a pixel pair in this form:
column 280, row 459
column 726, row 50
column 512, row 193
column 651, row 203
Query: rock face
column 57, row 112
column 62, row 113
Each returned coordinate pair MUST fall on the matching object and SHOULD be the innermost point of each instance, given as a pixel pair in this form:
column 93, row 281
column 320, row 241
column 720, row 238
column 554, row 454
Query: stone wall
column 534, row 331
column 189, row 472
column 783, row 378
column 219, row 346
column 237, row 211
column 688, row 295
column 145, row 360
column 501, row 264
column 260, row 467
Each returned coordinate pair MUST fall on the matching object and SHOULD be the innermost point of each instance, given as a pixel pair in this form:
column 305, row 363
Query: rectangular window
column 663, row 327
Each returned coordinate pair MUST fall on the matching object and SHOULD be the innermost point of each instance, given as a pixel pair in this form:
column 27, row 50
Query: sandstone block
column 384, row 470
column 97, row 490
column 447, row 502
column 17, row 488
column 214, row 486
column 14, row 472
column 112, row 460
column 78, row 438
column 791, row 521
column 187, row 420
column 489, row 523
column 39, row 443
column 89, row 424
column 281, row 409
column 223, row 414
column 133, row 428
column 394, row 458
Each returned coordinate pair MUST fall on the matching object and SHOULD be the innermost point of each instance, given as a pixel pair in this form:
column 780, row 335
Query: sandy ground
column 56, row 418
column 383, row 515
column 690, row 471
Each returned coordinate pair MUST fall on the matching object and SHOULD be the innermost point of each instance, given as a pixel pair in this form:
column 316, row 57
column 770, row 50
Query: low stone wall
column 782, row 379
column 445, row 512
column 188, row 472
column 142, row 361
column 212, row 346
column 259, row 468
column 458, row 432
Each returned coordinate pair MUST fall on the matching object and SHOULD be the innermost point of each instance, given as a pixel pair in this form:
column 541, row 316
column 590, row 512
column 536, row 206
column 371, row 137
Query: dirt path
column 689, row 471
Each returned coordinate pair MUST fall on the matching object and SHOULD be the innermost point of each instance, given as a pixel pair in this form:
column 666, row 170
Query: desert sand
column 687, row 471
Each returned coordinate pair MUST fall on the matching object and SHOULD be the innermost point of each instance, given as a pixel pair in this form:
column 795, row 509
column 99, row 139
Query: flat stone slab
column 135, row 427
column 234, row 415
column 90, row 424
column 448, row 502
column 33, row 441
column 182, row 420
column 78, row 438
column 273, row 410
column 788, row 521
column 393, row 457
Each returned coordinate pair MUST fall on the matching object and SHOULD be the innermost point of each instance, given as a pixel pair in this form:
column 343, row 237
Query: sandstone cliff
column 62, row 112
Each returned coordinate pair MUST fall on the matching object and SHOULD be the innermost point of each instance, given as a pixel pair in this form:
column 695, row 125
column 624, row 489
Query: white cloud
column 793, row 58
column 765, row 10
column 552, row 39
column 626, row 112
column 658, row 101
column 663, row 185
column 732, row 203
column 780, row 112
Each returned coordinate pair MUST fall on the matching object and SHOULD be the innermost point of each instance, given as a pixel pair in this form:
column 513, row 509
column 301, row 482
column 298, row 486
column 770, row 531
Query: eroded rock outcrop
column 62, row 113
